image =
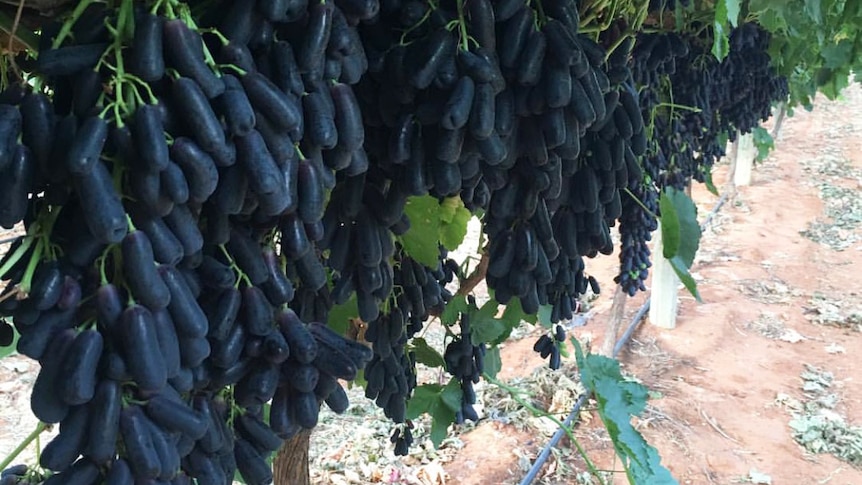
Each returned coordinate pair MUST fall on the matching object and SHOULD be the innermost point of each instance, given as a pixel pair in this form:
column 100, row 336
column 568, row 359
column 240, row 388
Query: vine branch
column 466, row 285
column 23, row 445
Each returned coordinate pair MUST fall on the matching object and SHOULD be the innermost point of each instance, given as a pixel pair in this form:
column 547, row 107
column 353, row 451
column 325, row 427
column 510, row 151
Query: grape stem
column 462, row 26
column 515, row 393
column 638, row 201
column 66, row 29
column 23, row 445
column 618, row 43
column 241, row 277
column 27, row 279
column 432, row 6
column 17, row 255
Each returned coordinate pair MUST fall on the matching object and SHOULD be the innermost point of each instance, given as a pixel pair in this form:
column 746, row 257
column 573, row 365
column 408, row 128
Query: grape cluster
column 711, row 99
column 753, row 84
column 465, row 361
column 172, row 182
column 548, row 346
column 391, row 372
column 516, row 113
column 202, row 181
column 695, row 102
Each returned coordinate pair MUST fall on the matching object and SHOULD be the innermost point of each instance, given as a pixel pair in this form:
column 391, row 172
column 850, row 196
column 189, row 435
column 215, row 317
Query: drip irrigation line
column 636, row 320
column 718, row 205
column 558, row 435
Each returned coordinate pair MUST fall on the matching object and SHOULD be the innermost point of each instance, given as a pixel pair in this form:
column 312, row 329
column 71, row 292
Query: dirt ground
column 768, row 356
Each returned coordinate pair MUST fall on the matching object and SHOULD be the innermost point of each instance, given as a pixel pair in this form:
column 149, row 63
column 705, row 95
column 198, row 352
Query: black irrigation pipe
column 558, row 435
column 639, row 316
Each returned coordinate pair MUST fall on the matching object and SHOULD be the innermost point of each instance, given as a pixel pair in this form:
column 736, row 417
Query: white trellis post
column 745, row 154
column 664, row 295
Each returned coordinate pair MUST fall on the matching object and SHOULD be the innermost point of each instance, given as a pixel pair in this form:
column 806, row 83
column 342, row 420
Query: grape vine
column 210, row 189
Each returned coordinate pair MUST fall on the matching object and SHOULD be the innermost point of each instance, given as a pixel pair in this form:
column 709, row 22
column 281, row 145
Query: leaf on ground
column 755, row 476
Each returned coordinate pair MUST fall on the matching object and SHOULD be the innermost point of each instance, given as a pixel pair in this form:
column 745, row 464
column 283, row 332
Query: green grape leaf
column 544, row 316
column 812, row 9
column 680, row 230
column 763, row 142
column 8, row 25
column 449, row 207
column 440, row 402
column 340, row 315
column 618, row 401
column 493, row 363
column 420, row 241
column 453, row 231
column 451, row 395
column 424, row 397
column 721, row 43
column 680, row 233
column 433, row 223
column 514, row 314
column 708, row 183
column 837, row 55
column 425, row 354
column 453, row 310
column 485, row 326
column 441, row 418
column 685, row 277
column 732, row 7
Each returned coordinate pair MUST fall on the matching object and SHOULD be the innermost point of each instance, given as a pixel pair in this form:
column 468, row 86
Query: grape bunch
column 753, row 83
column 171, row 172
column 695, row 102
column 711, row 99
column 465, row 362
column 548, row 346
column 391, row 372
column 516, row 113
column 201, row 182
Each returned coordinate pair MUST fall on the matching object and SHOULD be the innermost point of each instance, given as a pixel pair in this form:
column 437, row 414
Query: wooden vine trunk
column 615, row 321
column 290, row 466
